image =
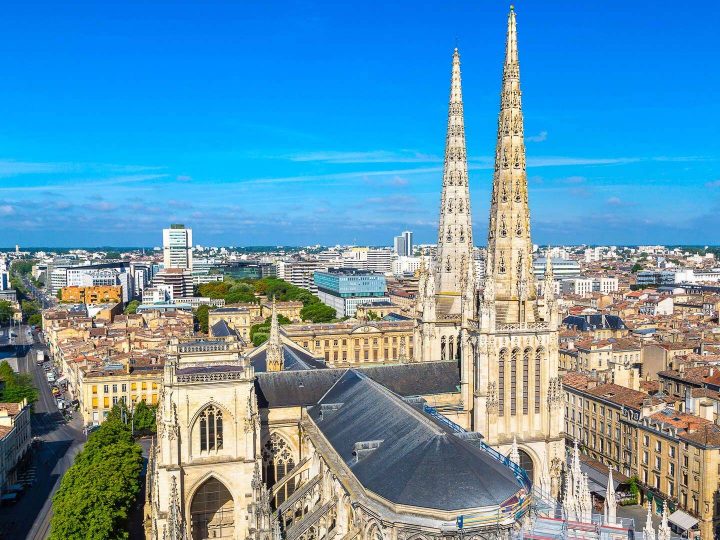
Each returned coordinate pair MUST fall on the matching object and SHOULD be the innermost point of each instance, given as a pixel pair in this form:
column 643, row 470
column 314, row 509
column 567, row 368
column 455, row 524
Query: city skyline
column 203, row 130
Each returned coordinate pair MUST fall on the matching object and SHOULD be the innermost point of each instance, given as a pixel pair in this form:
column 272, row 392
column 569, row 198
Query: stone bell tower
column 443, row 286
column 515, row 388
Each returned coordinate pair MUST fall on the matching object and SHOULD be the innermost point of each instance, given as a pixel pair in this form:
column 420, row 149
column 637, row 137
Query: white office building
column 562, row 268
column 177, row 247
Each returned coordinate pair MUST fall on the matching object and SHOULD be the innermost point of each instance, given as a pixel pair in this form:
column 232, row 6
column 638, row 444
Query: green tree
column 29, row 308
column 131, row 307
column 317, row 313
column 636, row 268
column 97, row 492
column 259, row 333
column 35, row 320
column 372, row 316
column 202, row 318
column 58, row 295
column 259, row 338
column 17, row 385
column 23, row 267
column 144, row 417
column 6, row 312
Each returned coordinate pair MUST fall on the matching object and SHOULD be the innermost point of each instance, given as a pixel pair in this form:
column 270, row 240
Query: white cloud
column 6, row 210
column 376, row 156
column 540, row 137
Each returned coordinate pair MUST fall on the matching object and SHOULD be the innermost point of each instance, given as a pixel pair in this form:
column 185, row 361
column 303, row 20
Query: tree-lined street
column 61, row 441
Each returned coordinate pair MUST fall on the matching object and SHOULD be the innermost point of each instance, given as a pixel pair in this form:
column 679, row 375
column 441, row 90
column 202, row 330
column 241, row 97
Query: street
column 30, row 517
column 38, row 294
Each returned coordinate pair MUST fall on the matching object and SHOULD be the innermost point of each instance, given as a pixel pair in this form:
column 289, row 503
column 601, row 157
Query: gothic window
column 538, row 358
column 501, row 263
column 504, row 159
column 451, row 347
column 449, row 205
column 506, row 125
column 211, row 429
column 458, row 348
column 449, row 234
column 516, row 161
column 442, row 348
column 526, row 463
column 513, row 381
column 212, row 513
column 277, row 462
column 460, row 205
column 501, row 382
column 503, row 196
column 374, row 533
column 518, row 227
column 448, row 267
column 526, row 381
column 517, row 192
column 503, row 227
column 462, row 234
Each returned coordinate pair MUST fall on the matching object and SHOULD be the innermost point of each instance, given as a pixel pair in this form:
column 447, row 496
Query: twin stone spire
column 508, row 277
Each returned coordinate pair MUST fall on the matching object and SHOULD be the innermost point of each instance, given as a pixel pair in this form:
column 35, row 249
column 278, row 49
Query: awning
column 682, row 520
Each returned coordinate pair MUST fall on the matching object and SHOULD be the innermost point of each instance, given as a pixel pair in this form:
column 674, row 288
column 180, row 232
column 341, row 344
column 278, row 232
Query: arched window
column 442, row 348
column 501, row 381
column 277, row 462
column 526, row 374
column 451, row 347
column 526, row 463
column 513, row 381
column 211, row 429
column 538, row 359
column 374, row 533
column 212, row 513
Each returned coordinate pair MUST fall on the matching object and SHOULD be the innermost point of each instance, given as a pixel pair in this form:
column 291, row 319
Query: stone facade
column 505, row 337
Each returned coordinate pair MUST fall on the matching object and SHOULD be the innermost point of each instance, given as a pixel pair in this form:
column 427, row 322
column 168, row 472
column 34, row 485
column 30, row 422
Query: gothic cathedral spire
column 274, row 348
column 455, row 247
column 509, row 244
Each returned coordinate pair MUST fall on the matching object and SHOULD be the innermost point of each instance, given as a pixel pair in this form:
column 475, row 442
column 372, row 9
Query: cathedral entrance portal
column 526, row 463
column 212, row 512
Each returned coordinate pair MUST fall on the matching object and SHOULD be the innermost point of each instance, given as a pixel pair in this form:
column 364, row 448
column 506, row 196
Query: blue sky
column 290, row 122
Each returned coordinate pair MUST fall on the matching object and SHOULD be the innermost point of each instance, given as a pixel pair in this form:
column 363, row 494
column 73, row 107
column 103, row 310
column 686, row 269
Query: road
column 30, row 517
column 38, row 294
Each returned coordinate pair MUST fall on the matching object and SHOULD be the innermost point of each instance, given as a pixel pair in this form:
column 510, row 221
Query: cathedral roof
column 294, row 359
column 402, row 454
column 304, row 388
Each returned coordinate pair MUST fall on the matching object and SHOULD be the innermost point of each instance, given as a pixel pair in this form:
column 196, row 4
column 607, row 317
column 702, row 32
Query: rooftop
column 402, row 454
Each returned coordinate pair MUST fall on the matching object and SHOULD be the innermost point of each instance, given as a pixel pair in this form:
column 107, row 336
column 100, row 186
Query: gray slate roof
column 304, row 388
column 419, row 461
column 294, row 359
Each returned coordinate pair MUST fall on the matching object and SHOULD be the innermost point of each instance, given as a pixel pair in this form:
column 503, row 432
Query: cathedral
column 457, row 441
column 502, row 335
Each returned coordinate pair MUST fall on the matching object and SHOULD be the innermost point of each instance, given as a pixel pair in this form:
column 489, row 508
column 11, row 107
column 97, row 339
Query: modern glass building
column 346, row 288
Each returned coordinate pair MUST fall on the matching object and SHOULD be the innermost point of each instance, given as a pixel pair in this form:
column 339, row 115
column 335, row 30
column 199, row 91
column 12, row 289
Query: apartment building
column 99, row 294
column 15, row 439
column 352, row 343
column 675, row 455
column 100, row 388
